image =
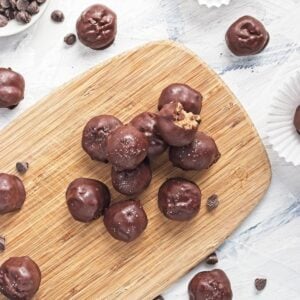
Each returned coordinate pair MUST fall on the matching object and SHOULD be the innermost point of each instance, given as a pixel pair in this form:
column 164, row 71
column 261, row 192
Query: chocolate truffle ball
column 132, row 182
column 12, row 86
column 20, row 278
column 247, row 36
column 190, row 99
column 94, row 136
column 146, row 123
column 213, row 285
column 125, row 220
column 12, row 193
column 127, row 147
column 179, row 199
column 87, row 199
column 97, row 27
column 176, row 126
column 201, row 154
column 297, row 119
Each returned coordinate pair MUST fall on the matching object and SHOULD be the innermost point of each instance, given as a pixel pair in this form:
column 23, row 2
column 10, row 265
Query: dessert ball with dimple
column 297, row 119
column 213, row 285
column 132, row 182
column 12, row 86
column 87, row 199
column 247, row 36
column 190, row 99
column 146, row 123
column 179, row 199
column 20, row 278
column 12, row 193
column 125, row 220
column 97, row 27
column 201, row 154
column 95, row 133
column 127, row 147
column 176, row 126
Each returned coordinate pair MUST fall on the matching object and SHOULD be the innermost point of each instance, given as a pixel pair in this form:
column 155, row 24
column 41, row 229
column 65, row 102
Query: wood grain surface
column 80, row 261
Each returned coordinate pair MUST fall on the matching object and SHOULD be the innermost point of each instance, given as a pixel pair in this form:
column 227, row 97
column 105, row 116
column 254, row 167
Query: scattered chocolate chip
column 22, row 167
column 3, row 21
column 260, row 283
column 57, row 16
column 22, row 4
column 70, row 39
column 33, row 8
column 2, row 243
column 159, row 298
column 23, row 17
column 4, row 3
column 212, row 259
column 212, row 202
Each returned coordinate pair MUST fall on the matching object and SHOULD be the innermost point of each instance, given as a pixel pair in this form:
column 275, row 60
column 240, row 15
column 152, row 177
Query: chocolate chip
column 4, row 3
column 57, row 16
column 2, row 243
column 22, row 167
column 212, row 259
column 260, row 283
column 70, row 39
column 23, row 17
column 159, row 298
column 22, row 4
column 3, row 21
column 212, row 202
column 33, row 8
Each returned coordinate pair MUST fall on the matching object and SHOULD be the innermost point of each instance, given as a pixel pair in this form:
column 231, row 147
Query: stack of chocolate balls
column 130, row 148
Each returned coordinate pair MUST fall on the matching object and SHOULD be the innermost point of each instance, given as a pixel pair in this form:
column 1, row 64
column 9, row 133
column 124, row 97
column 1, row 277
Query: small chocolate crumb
column 22, row 167
column 260, row 283
column 212, row 202
column 70, row 39
column 212, row 259
column 3, row 21
column 57, row 16
column 2, row 243
column 159, row 298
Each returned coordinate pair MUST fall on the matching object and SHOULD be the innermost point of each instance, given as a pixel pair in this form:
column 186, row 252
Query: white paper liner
column 213, row 3
column 280, row 128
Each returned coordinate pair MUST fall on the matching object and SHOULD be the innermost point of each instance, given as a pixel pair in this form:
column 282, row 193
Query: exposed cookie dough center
column 186, row 120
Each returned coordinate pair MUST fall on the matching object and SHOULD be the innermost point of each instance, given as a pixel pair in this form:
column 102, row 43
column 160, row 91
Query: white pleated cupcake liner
column 214, row 3
column 280, row 128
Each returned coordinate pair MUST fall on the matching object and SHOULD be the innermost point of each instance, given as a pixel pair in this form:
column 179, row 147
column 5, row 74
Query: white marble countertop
column 268, row 242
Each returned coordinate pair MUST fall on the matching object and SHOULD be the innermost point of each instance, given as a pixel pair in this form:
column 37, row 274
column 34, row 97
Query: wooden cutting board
column 80, row 261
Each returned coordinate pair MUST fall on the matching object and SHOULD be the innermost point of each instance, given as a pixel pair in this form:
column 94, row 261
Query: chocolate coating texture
column 97, row 27
column 94, row 136
column 87, row 199
column 146, row 123
column 132, row 182
column 12, row 193
column 190, row 99
column 127, row 147
column 179, row 199
column 247, row 36
column 297, row 119
column 176, row 126
column 201, row 154
column 210, row 285
column 125, row 220
column 20, row 278
column 12, row 86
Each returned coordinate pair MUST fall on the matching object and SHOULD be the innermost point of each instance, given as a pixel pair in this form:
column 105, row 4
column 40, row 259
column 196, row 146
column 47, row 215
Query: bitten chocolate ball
column 190, row 99
column 87, row 199
column 127, row 147
column 146, row 123
column 97, row 27
column 94, row 136
column 125, row 220
column 20, row 278
column 176, row 126
column 213, row 285
column 12, row 193
column 297, row 119
column 179, row 199
column 247, row 36
column 201, row 154
column 12, row 86
column 132, row 182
